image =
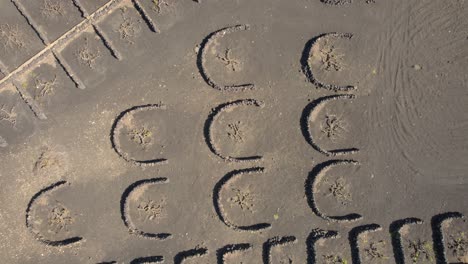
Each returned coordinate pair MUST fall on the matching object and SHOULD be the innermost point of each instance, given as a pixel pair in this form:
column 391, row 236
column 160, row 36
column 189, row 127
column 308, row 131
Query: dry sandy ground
column 240, row 131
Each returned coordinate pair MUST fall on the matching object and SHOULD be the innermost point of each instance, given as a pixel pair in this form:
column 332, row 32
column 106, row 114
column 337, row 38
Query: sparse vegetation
column 334, row 259
column 8, row 114
column 243, row 199
column 87, row 56
column 151, row 209
column 129, row 27
column 333, row 127
column 3, row 142
column 44, row 87
column 59, row 219
column 339, row 190
column 234, row 131
column 330, row 57
column 374, row 251
column 228, row 61
column 159, row 5
column 52, row 8
column 46, row 161
column 458, row 244
column 142, row 136
column 11, row 37
column 421, row 251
